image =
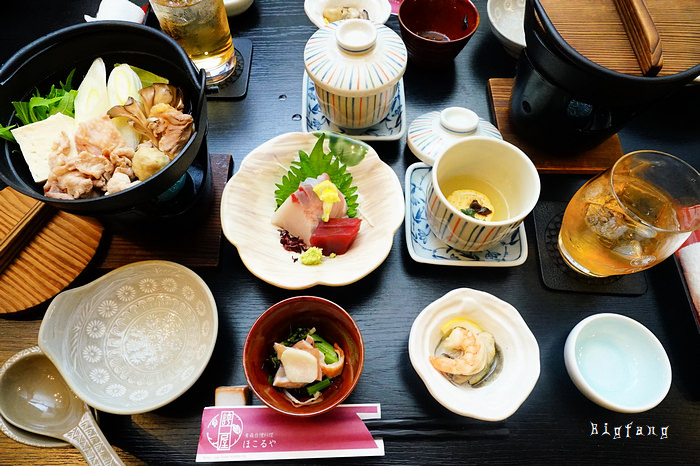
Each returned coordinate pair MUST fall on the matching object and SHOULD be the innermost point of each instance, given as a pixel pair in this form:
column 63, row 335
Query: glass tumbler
column 632, row 216
column 201, row 28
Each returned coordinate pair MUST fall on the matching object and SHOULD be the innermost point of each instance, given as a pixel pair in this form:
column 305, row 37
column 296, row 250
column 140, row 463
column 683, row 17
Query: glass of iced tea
column 632, row 216
column 201, row 28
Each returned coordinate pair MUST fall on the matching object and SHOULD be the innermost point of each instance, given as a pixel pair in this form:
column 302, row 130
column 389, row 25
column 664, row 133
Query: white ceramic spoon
column 34, row 397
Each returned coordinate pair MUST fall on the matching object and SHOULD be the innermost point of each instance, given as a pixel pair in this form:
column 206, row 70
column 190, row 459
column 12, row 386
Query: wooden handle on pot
column 25, row 229
column 643, row 35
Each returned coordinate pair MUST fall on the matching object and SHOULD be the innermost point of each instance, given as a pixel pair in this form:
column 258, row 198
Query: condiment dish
column 617, row 363
column 378, row 11
column 518, row 358
column 236, row 7
column 134, row 339
column 507, row 18
column 331, row 321
column 248, row 202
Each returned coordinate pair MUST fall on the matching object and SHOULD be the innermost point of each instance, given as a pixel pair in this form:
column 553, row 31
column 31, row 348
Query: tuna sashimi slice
column 336, row 235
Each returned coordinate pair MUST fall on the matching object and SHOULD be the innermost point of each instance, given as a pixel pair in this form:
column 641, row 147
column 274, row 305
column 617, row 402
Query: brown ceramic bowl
column 331, row 321
column 435, row 31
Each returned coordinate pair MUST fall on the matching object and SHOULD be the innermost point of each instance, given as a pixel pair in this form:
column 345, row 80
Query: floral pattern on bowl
column 423, row 245
column 248, row 202
column 134, row 339
column 390, row 128
column 518, row 356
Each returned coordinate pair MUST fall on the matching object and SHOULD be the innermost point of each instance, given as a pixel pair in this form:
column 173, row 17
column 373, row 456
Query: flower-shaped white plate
column 423, row 245
column 390, row 128
column 377, row 10
column 248, row 202
column 134, row 339
column 502, row 393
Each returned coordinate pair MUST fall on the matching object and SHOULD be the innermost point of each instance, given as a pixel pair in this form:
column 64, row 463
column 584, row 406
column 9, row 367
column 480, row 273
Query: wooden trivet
column 587, row 161
column 50, row 261
column 196, row 247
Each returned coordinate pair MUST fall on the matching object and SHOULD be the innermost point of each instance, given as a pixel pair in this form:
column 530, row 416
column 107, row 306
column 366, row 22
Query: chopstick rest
column 23, row 231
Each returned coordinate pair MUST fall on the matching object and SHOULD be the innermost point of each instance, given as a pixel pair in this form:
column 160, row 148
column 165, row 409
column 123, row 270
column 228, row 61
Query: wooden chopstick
column 420, row 427
column 643, row 35
column 23, row 231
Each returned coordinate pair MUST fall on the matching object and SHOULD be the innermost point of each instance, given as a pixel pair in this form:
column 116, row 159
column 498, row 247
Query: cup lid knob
column 459, row 120
column 356, row 35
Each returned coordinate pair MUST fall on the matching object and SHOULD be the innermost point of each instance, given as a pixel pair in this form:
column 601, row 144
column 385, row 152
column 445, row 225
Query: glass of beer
column 632, row 216
column 201, row 28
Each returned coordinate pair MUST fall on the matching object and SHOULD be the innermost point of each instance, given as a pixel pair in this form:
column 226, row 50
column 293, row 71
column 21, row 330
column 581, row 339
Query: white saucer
column 390, row 128
column 423, row 245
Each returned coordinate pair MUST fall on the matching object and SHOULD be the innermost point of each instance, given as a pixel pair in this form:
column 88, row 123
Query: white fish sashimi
column 301, row 212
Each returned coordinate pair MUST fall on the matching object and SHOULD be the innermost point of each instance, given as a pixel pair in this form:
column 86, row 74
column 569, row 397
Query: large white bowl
column 502, row 393
column 377, row 10
column 617, row 363
column 248, row 202
column 134, row 339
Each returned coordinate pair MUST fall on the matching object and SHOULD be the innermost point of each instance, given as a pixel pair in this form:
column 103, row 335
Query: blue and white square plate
column 389, row 129
column 423, row 245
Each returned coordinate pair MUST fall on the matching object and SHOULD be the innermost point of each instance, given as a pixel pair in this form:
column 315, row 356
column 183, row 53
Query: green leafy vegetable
column 147, row 78
column 58, row 100
column 329, row 354
column 318, row 386
column 313, row 165
column 6, row 134
column 469, row 211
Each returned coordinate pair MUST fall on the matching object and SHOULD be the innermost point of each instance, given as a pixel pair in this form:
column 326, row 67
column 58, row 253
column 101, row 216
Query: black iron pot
column 48, row 60
column 561, row 99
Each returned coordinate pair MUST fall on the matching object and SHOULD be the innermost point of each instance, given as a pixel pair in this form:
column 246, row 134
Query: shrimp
column 471, row 360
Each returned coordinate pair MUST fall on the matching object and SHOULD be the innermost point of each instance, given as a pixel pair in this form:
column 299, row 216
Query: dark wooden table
column 553, row 426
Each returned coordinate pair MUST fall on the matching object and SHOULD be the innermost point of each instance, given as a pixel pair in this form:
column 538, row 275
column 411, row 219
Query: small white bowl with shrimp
column 487, row 384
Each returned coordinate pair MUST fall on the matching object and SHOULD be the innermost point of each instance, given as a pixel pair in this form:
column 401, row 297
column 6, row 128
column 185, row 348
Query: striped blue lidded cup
column 355, row 66
column 480, row 191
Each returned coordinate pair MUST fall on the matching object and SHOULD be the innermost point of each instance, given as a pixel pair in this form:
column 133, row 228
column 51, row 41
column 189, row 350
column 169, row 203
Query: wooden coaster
column 557, row 275
column 588, row 161
column 50, row 261
column 196, row 247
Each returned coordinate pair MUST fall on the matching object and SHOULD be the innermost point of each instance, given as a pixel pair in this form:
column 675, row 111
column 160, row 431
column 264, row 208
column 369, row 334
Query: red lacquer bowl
column 435, row 31
column 331, row 321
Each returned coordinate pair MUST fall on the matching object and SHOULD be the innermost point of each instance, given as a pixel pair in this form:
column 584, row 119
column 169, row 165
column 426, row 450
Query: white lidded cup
column 355, row 66
column 498, row 169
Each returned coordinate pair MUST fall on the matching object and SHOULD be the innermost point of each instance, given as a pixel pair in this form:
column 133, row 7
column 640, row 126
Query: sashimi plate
column 248, row 202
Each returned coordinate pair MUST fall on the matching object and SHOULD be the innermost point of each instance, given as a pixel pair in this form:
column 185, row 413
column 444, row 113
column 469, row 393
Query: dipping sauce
column 434, row 35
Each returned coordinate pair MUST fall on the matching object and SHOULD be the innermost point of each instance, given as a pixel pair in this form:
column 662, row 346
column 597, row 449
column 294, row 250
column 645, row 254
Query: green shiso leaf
column 313, row 165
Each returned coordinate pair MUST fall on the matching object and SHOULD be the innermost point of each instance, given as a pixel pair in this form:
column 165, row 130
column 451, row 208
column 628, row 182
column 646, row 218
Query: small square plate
column 423, row 245
column 390, row 128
